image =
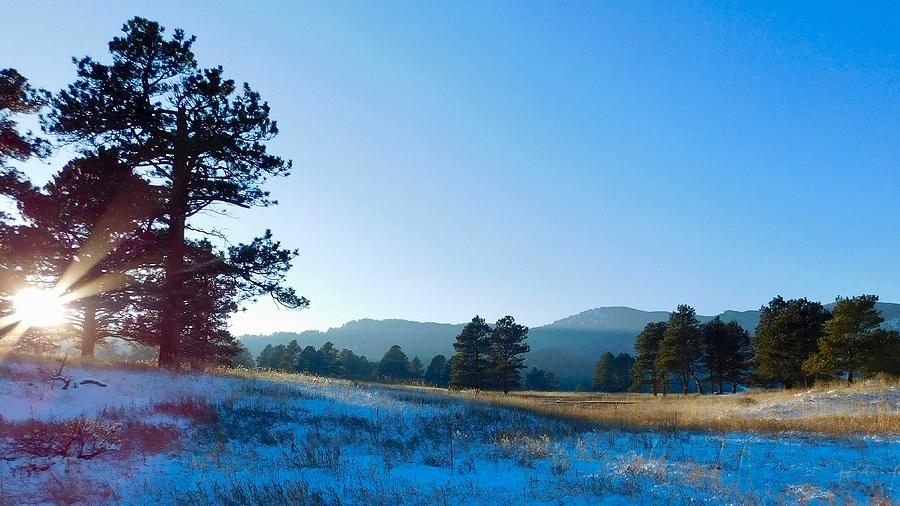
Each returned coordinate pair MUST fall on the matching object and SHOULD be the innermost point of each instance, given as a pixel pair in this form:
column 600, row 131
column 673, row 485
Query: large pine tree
column 787, row 335
column 726, row 353
column 196, row 135
column 852, row 338
column 645, row 371
column 507, row 345
column 681, row 349
column 394, row 365
column 470, row 363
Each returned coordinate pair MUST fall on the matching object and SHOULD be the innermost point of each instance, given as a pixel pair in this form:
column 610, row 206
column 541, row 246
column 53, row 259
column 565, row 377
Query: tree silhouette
column 85, row 231
column 18, row 97
column 196, row 135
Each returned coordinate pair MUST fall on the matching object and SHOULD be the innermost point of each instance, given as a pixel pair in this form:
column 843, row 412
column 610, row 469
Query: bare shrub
column 81, row 437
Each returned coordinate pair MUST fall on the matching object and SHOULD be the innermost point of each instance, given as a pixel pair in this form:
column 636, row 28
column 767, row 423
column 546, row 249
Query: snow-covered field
column 158, row 438
column 830, row 402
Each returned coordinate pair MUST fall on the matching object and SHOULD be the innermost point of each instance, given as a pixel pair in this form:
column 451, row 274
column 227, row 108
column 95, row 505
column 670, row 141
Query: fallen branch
column 65, row 379
column 92, row 382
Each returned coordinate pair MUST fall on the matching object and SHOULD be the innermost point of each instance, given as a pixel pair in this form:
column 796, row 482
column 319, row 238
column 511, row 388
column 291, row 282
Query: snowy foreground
column 155, row 437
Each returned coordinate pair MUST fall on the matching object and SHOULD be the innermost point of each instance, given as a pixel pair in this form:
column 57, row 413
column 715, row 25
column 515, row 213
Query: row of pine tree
column 796, row 342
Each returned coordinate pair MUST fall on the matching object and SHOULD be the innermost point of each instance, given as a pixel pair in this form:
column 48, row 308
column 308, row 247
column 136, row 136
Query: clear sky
column 539, row 159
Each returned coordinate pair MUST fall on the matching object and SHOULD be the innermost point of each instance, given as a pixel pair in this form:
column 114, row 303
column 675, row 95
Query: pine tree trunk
column 89, row 328
column 171, row 321
column 699, row 383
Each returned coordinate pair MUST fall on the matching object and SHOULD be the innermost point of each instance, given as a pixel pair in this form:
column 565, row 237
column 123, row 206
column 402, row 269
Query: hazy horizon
column 526, row 159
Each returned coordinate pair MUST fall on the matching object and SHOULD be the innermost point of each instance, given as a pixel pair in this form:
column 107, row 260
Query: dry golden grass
column 756, row 411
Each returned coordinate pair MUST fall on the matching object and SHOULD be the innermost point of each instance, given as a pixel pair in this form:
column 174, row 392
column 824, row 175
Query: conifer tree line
column 159, row 139
column 486, row 358
column 796, row 343
column 394, row 367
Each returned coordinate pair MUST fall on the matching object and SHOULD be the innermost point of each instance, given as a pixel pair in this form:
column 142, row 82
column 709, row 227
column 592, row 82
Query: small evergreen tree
column 540, row 380
column 740, row 357
column 355, row 367
column 308, row 361
column 624, row 363
column 265, row 357
column 507, row 345
column 243, row 358
column 394, row 365
column 848, row 335
column 603, row 373
column 277, row 356
column 612, row 373
column 289, row 357
column 329, row 365
column 881, row 353
column 436, row 373
column 416, row 368
column 645, row 371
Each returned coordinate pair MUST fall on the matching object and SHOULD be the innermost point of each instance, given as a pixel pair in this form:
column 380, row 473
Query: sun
column 37, row 307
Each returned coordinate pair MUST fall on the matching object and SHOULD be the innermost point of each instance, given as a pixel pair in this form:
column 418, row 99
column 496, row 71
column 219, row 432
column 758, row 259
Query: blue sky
column 539, row 159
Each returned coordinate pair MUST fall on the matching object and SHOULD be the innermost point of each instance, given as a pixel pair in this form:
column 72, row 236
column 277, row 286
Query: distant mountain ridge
column 569, row 346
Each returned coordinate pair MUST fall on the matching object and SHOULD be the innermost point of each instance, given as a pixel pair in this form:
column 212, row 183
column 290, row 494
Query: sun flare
column 37, row 307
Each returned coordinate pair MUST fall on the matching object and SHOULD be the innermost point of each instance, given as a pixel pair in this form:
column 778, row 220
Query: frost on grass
column 204, row 439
